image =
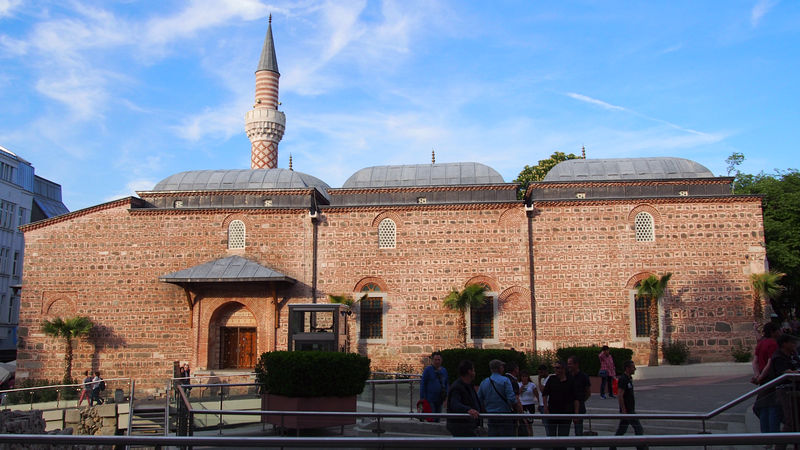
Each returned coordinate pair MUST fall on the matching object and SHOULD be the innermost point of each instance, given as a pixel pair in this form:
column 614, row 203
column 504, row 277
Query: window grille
column 387, row 234
column 481, row 320
column 422, row 200
column 236, row 234
column 178, row 204
column 371, row 314
column 371, row 287
column 644, row 227
column 642, row 315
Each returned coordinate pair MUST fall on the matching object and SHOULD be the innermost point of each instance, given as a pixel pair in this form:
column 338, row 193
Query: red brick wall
column 587, row 260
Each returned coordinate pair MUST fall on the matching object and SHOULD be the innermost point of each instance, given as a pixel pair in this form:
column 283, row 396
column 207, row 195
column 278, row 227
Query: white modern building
column 24, row 198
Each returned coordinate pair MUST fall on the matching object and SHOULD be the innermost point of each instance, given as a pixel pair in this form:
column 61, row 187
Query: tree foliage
column 537, row 172
column 472, row 296
column 781, row 192
column 67, row 329
column 766, row 286
column 654, row 288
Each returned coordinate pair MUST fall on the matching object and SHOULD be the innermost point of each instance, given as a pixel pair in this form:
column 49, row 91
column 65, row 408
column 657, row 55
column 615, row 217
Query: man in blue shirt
column 433, row 385
column 497, row 396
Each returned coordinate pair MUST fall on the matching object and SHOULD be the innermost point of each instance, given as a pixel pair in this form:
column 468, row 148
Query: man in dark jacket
column 462, row 398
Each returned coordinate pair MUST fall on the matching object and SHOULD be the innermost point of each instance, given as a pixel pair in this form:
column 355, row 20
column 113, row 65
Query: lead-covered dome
column 627, row 169
column 239, row 179
column 448, row 174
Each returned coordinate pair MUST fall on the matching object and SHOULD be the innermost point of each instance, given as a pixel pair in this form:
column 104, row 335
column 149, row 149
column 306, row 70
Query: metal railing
column 683, row 440
column 60, row 390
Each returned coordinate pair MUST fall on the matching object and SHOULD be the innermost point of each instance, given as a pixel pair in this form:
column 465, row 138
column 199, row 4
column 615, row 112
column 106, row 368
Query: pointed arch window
column 645, row 227
column 482, row 320
column 236, row 235
column 387, row 234
column 371, row 312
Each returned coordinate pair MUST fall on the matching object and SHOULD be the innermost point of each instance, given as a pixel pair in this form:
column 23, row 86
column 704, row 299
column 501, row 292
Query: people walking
column 98, row 385
column 462, row 398
column 785, row 360
column 607, row 372
column 86, row 389
column 433, row 385
column 497, row 396
column 529, row 397
column 766, row 407
column 559, row 397
column 627, row 402
column 582, row 390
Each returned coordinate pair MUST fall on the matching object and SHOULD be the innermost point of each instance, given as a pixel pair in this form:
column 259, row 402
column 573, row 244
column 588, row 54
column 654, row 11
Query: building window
column 645, row 231
column 422, row 200
column 7, row 172
column 178, row 204
column 482, row 320
column 387, row 234
column 580, row 195
column 371, row 312
column 683, row 193
column 10, row 309
column 21, row 219
column 4, row 254
column 14, row 270
column 236, row 234
column 6, row 214
column 641, row 309
column 267, row 202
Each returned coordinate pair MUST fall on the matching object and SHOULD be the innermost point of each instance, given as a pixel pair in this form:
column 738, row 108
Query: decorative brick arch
column 515, row 291
column 493, row 286
column 512, row 217
column 632, row 281
column 237, row 216
column 211, row 310
column 59, row 304
column 645, row 208
column 387, row 215
column 367, row 280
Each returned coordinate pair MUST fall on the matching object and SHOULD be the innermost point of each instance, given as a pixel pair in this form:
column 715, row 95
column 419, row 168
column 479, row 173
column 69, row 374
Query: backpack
column 102, row 385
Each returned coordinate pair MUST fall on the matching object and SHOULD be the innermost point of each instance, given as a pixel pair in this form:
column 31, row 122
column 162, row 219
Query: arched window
column 482, row 320
column 641, row 313
column 371, row 312
column 645, row 230
column 236, row 234
column 387, row 234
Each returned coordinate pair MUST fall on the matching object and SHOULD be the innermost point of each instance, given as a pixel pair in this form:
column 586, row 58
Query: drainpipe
column 529, row 213
column 314, row 215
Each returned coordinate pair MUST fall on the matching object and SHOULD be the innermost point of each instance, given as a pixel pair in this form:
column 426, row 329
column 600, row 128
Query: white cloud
column 131, row 188
column 13, row 47
column 7, row 7
column 760, row 9
column 199, row 15
column 594, row 101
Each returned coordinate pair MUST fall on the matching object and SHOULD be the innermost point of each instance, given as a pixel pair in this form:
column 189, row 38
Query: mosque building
column 201, row 267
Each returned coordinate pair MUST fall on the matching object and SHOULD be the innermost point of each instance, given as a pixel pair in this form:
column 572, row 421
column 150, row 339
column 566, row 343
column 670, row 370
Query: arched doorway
column 232, row 335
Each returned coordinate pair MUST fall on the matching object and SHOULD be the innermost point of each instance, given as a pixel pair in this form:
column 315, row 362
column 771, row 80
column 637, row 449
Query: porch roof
column 226, row 270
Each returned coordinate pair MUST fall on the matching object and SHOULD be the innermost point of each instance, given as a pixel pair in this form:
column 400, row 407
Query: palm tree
column 73, row 327
column 653, row 288
column 473, row 296
column 765, row 287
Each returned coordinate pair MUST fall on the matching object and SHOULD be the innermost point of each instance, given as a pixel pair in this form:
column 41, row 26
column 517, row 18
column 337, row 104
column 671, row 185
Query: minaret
column 264, row 124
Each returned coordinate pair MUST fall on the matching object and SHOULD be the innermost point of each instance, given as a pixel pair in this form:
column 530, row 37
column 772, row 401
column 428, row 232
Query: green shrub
column 312, row 374
column 539, row 357
column 676, row 353
column 452, row 357
column 589, row 357
column 41, row 395
column 741, row 353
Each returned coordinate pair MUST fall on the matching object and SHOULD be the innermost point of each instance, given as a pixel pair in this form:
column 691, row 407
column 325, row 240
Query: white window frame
column 652, row 235
column 243, row 236
column 632, row 310
column 394, row 232
column 495, row 323
column 385, row 309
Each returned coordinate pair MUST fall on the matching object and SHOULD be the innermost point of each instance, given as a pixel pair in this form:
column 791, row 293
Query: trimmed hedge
column 452, row 357
column 41, row 395
column 590, row 360
column 312, row 373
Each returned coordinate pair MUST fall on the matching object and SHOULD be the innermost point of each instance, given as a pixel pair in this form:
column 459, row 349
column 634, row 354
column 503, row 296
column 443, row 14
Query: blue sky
column 110, row 97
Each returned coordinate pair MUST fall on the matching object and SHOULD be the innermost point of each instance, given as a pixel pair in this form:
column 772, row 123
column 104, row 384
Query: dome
column 240, row 179
column 449, row 174
column 627, row 169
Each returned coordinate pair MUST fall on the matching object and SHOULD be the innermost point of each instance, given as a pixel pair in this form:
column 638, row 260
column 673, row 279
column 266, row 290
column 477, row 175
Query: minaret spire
column 264, row 124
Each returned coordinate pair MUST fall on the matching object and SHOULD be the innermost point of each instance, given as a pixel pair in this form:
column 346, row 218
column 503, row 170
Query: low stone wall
column 93, row 420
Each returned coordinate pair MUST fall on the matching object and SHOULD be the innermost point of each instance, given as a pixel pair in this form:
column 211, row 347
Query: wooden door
column 238, row 349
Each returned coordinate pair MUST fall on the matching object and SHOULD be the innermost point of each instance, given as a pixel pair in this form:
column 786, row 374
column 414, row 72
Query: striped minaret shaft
column 264, row 124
